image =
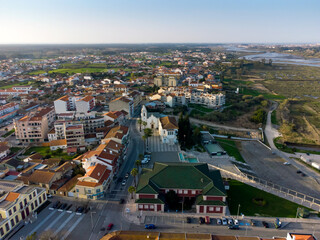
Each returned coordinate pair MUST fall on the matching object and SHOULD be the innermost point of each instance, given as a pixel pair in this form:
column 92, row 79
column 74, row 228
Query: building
column 122, row 103
column 8, row 110
column 118, row 134
column 187, row 180
column 74, row 136
column 4, row 151
column 166, row 127
column 85, row 104
column 34, row 127
column 94, row 184
column 17, row 203
column 165, row 81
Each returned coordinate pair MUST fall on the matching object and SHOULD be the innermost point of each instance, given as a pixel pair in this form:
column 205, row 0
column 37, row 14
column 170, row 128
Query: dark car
column 80, row 210
column 110, row 226
column 234, row 227
column 149, row 226
column 201, row 220
column 265, row 224
column 127, row 175
column 188, row 219
column 67, row 208
column 56, row 204
column 252, row 222
column 298, row 171
column 63, row 206
column 121, row 201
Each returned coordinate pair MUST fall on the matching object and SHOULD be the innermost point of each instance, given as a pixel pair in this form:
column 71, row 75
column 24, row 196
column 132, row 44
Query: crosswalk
column 155, row 145
column 59, row 223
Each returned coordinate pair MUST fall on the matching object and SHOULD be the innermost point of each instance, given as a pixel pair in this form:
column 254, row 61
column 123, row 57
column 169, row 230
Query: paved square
column 155, row 145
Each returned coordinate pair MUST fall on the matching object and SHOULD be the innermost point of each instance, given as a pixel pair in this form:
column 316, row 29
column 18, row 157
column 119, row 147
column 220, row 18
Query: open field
column 271, row 205
column 45, row 151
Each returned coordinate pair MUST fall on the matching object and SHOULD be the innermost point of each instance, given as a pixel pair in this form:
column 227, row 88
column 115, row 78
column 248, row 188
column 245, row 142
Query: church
column 164, row 126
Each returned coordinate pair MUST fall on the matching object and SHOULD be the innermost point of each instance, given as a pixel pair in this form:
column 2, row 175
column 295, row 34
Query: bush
column 259, row 201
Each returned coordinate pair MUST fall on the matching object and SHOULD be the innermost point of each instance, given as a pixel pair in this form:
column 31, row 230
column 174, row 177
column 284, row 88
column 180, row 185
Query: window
column 32, row 207
column 25, row 202
column 21, row 205
column 14, row 209
column 185, row 191
column 210, row 209
column 77, row 190
column 146, row 206
column 151, row 207
column 217, row 209
column 1, row 232
column 98, row 190
column 30, row 196
column 7, row 227
column 180, row 191
column 193, row 192
column 140, row 206
column 36, row 203
column 34, row 194
column 44, row 197
column 89, row 191
column 10, row 212
column 17, row 218
column 40, row 201
column 12, row 222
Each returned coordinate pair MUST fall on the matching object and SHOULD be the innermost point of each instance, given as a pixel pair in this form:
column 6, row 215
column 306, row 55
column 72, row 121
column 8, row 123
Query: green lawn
column 231, row 148
column 37, row 72
column 46, row 151
column 8, row 133
column 274, row 119
column 15, row 149
column 250, row 91
column 200, row 108
column 244, row 194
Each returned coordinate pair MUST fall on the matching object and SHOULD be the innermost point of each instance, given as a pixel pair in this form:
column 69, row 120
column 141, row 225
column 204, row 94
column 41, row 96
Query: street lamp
column 238, row 210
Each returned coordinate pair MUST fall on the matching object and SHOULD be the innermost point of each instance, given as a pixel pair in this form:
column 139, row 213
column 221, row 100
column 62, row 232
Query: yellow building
column 17, row 203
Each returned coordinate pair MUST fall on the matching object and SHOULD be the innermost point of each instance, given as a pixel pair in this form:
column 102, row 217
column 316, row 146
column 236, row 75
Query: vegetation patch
column 8, row 133
column 47, row 153
column 244, row 194
column 231, row 148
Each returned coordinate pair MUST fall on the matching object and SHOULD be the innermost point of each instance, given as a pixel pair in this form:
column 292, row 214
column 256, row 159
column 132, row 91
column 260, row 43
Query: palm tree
column 144, row 123
column 147, row 134
column 138, row 163
column 140, row 123
column 131, row 190
column 134, row 173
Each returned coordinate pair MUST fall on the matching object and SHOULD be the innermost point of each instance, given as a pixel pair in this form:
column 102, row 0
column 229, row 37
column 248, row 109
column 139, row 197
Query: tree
column 140, row 123
column 185, row 137
column 134, row 173
column 144, row 123
column 172, row 199
column 33, row 236
column 147, row 134
column 138, row 163
column 131, row 190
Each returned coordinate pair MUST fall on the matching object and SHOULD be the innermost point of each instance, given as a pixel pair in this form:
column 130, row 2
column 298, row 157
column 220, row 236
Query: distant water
column 277, row 57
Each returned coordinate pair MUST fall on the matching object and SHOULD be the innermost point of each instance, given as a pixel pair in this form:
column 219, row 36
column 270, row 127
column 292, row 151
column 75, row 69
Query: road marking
column 54, row 221
column 72, row 227
column 42, row 222
column 63, row 224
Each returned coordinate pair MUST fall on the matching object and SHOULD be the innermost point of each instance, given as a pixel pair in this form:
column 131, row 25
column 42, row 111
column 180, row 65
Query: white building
column 165, row 126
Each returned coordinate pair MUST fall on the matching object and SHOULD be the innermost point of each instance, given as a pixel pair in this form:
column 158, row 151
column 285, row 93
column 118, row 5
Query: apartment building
column 17, row 203
column 71, row 104
column 122, row 103
column 34, row 127
column 85, row 104
column 74, row 135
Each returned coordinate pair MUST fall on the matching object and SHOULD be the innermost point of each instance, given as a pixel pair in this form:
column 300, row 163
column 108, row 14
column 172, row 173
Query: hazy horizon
column 156, row 22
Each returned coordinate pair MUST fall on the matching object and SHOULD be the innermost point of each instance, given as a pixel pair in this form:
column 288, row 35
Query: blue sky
column 150, row 21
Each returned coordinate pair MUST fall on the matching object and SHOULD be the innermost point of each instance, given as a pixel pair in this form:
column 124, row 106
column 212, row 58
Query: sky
column 161, row 21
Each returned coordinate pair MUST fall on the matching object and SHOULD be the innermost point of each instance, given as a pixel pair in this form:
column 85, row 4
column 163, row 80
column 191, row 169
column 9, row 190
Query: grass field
column 274, row 119
column 231, row 148
column 200, row 108
column 46, row 151
column 10, row 85
column 244, row 194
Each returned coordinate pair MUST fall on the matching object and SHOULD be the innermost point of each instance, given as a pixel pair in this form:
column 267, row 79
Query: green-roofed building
column 188, row 180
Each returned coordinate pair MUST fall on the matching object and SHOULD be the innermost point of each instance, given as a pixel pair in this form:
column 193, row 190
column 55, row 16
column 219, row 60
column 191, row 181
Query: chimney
column 99, row 174
column 110, row 152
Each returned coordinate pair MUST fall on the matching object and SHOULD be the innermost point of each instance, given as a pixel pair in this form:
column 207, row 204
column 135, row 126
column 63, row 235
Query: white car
column 224, row 221
column 124, row 182
column 230, row 221
column 219, row 221
column 286, row 163
column 236, row 222
column 145, row 161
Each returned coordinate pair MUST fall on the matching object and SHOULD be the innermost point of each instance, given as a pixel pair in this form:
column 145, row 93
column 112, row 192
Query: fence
column 283, row 192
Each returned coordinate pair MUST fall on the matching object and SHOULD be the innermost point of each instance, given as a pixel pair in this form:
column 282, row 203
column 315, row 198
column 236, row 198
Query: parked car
column 145, row 161
column 201, row 220
column 277, row 223
column 298, row 171
column 236, row 222
column 124, row 181
column 224, row 221
column 230, row 221
column 127, row 175
column 62, row 207
column 188, row 219
column 121, row 201
column 207, row 219
column 219, row 222
column 149, row 226
column 287, row 163
column 55, row 205
column 67, row 208
column 49, row 196
column 265, row 224
column 79, row 210
column 110, row 226
column 252, row 222
column 234, row 227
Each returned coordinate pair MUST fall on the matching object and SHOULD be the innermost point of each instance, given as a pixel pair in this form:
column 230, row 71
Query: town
column 97, row 146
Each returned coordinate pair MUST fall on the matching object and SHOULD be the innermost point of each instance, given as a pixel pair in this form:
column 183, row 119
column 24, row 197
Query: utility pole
column 238, row 210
